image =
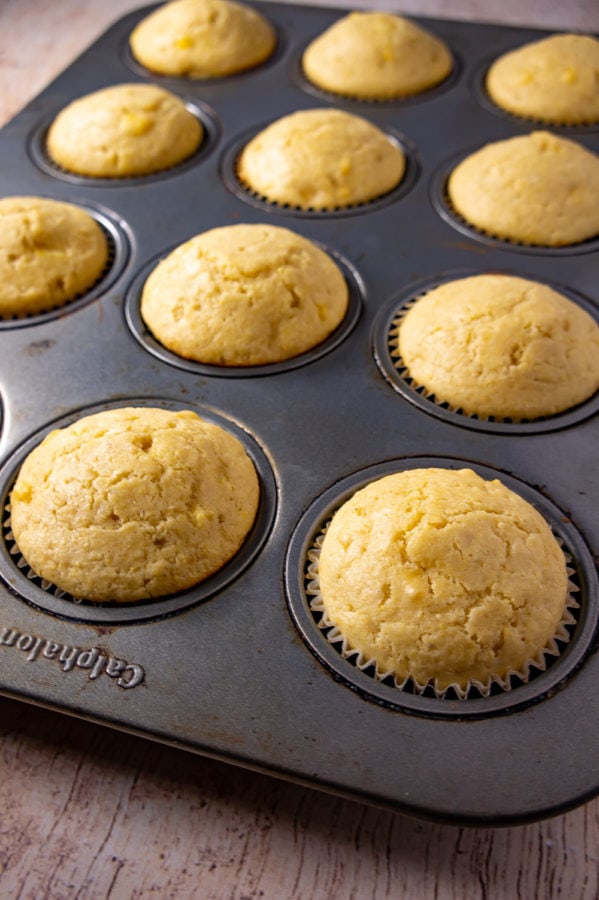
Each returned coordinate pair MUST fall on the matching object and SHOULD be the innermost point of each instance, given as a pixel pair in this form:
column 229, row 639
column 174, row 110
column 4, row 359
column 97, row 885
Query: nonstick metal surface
column 239, row 668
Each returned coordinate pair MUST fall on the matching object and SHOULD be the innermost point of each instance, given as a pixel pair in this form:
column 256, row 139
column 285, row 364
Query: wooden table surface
column 90, row 813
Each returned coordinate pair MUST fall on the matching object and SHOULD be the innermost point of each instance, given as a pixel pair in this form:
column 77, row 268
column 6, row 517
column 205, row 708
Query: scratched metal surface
column 237, row 669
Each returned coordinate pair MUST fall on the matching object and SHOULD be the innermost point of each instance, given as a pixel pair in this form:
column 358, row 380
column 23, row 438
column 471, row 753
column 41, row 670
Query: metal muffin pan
column 238, row 668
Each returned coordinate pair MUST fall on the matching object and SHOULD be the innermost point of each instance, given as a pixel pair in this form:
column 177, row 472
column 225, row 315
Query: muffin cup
column 205, row 115
column 479, row 88
column 422, row 391
column 511, row 242
column 118, row 249
column 406, row 99
column 388, row 358
column 532, row 667
column 141, row 332
column 20, row 318
column 40, row 593
column 441, row 201
column 243, row 190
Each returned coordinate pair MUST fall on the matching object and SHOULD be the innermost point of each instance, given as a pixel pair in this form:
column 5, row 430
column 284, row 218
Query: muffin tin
column 240, row 668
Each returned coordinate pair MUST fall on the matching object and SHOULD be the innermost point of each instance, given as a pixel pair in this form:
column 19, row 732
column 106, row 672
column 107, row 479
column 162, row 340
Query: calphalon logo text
column 94, row 660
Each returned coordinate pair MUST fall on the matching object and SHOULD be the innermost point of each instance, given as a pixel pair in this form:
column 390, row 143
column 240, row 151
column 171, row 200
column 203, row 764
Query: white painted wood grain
column 88, row 813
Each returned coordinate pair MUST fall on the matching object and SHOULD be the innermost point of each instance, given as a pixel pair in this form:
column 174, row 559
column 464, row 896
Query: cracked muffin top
column 133, row 503
column 442, row 576
column 244, row 295
column 498, row 345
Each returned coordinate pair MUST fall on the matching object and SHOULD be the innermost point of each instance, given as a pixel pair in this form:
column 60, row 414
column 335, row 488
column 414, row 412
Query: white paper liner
column 22, row 564
column 335, row 637
column 333, row 96
column 535, row 121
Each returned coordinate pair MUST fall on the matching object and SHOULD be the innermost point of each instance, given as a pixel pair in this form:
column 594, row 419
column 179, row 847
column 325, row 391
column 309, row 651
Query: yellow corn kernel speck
column 525, row 77
column 380, row 23
column 184, row 43
column 569, row 75
column 345, row 164
column 23, row 493
column 322, row 311
column 202, row 516
column 388, row 53
column 135, row 124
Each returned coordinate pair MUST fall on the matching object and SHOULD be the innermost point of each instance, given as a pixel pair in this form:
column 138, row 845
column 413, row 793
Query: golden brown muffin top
column 133, row 503
column 440, row 575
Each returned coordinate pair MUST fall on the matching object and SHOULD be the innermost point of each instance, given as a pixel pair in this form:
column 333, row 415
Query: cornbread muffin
column 496, row 345
column 537, row 189
column 443, row 577
column 244, row 295
column 321, row 159
column 202, row 39
column 376, row 56
column 130, row 504
column 50, row 253
column 123, row 131
column 554, row 80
